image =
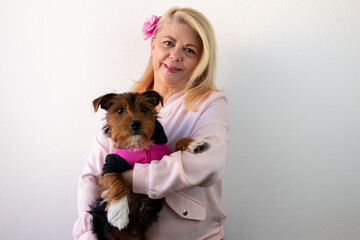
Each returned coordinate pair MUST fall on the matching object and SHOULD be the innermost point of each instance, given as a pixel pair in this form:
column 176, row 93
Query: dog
column 138, row 138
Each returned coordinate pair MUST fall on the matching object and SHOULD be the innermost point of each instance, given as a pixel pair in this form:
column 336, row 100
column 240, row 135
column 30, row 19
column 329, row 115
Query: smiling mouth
column 172, row 69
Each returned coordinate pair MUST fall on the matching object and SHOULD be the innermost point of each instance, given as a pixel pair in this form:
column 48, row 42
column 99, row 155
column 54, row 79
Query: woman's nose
column 176, row 54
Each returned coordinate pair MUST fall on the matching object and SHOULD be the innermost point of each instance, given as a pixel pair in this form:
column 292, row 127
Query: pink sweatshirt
column 190, row 183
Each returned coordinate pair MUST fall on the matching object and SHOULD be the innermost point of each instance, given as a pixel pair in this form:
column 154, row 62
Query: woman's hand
column 105, row 194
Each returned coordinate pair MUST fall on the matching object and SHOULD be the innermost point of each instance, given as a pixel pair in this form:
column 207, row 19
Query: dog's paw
column 118, row 213
column 198, row 146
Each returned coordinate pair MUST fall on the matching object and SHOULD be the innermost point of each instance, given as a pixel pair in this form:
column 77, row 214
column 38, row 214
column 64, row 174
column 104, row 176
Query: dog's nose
column 135, row 125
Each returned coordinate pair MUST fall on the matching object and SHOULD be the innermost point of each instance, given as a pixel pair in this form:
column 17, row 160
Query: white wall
column 290, row 68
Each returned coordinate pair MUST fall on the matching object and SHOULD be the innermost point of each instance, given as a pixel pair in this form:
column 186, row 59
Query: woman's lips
column 171, row 68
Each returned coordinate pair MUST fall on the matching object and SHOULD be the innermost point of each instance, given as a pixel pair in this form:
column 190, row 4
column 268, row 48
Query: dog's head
column 130, row 117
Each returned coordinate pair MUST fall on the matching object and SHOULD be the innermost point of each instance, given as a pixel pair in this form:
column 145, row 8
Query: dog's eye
column 121, row 110
column 143, row 109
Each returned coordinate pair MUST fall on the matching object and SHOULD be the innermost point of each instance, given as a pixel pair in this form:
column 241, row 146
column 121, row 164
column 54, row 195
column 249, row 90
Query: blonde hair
column 202, row 81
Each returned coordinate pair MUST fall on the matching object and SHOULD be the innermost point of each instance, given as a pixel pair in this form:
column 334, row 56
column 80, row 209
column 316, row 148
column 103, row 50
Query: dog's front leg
column 191, row 145
column 118, row 207
column 118, row 213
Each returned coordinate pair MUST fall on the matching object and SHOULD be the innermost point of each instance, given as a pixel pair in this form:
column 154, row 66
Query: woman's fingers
column 104, row 194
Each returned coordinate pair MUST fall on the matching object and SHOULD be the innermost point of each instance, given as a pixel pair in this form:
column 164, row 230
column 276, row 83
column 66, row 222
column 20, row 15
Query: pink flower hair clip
column 150, row 26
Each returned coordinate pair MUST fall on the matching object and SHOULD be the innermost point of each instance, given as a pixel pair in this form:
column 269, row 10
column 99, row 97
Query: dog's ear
column 103, row 101
column 154, row 97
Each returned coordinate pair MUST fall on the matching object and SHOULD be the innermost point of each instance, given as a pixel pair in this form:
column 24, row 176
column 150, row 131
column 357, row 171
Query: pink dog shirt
column 154, row 152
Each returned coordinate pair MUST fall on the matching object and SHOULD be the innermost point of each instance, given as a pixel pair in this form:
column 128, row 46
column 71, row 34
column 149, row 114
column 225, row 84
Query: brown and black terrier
column 138, row 138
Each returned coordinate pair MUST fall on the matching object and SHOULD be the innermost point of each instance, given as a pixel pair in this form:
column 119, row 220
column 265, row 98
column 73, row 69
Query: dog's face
column 130, row 117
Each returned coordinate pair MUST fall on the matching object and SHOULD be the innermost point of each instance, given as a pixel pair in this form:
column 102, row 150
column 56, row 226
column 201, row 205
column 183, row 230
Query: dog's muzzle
column 135, row 127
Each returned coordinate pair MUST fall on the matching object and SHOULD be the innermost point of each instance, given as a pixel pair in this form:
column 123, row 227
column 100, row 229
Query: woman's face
column 175, row 51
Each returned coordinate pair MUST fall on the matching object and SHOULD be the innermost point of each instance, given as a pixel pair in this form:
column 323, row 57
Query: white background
column 290, row 69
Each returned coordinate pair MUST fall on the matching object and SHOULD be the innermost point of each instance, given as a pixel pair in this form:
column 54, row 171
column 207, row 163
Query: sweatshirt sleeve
column 88, row 187
column 183, row 170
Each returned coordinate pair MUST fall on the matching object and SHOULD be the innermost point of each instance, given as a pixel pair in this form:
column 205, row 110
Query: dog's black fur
column 142, row 209
column 139, row 221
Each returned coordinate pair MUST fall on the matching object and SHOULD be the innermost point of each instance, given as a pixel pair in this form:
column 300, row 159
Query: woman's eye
column 189, row 50
column 121, row 110
column 168, row 43
column 143, row 109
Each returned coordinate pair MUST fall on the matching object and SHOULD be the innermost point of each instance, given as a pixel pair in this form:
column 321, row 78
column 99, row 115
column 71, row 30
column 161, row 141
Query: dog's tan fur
column 122, row 110
column 114, row 185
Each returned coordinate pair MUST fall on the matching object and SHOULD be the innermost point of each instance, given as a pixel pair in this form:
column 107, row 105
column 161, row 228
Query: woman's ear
column 152, row 46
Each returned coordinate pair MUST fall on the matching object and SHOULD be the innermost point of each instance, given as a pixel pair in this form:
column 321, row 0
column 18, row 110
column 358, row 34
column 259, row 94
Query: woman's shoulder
column 217, row 95
column 215, row 98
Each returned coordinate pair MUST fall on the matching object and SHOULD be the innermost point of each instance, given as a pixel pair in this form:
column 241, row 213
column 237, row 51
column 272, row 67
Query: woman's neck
column 166, row 92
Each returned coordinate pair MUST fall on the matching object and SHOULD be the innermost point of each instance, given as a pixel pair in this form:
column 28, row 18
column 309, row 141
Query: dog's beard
column 134, row 142
column 137, row 142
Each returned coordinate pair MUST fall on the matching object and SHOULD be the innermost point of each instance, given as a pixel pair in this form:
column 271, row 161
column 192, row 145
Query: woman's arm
column 88, row 186
column 183, row 170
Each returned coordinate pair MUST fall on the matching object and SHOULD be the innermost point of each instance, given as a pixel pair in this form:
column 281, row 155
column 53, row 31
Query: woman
column 181, row 69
